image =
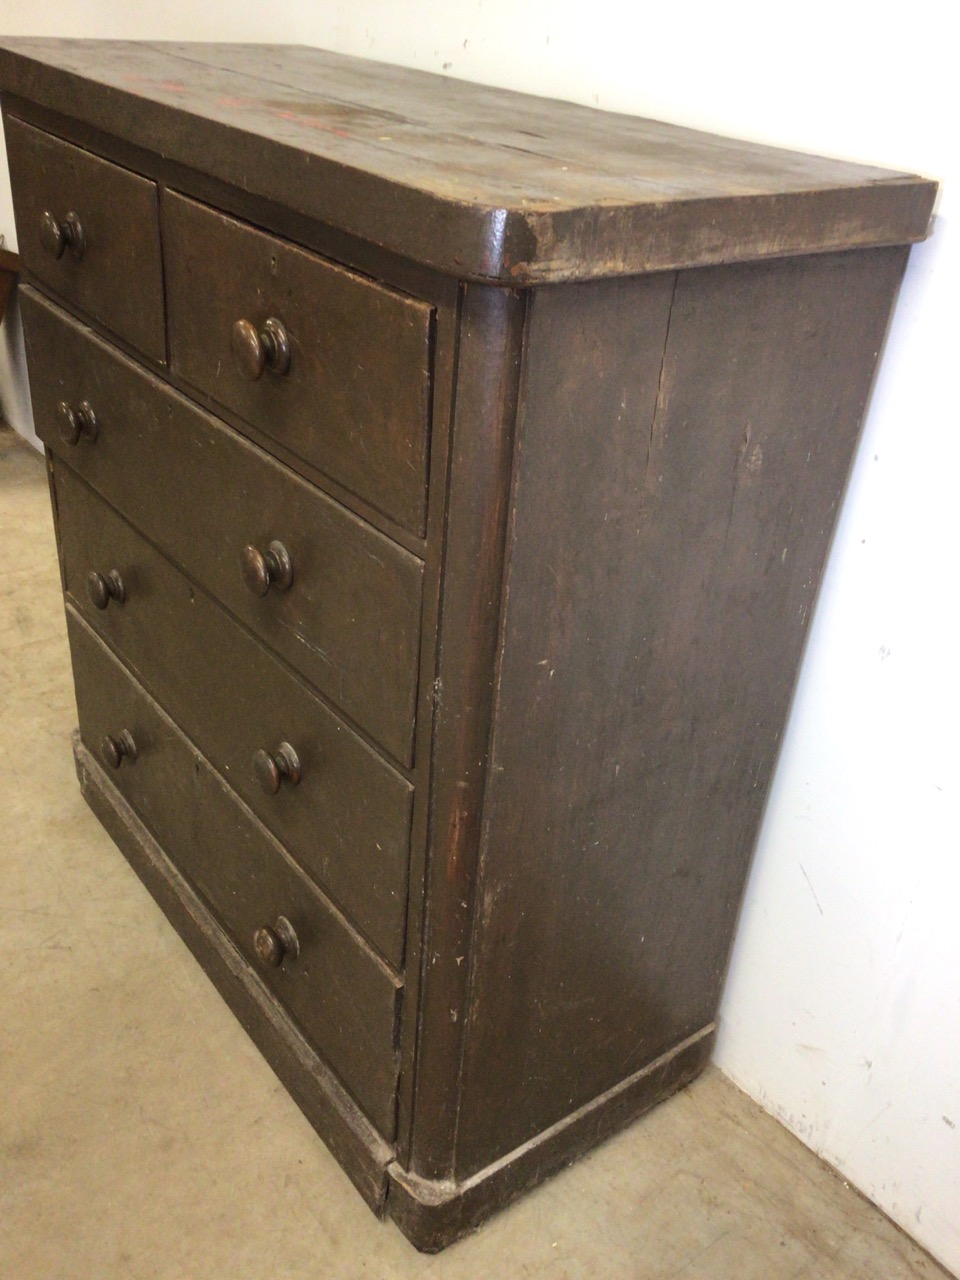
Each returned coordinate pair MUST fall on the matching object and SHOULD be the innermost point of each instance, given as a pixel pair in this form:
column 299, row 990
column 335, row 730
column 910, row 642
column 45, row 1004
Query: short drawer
column 344, row 999
column 91, row 232
column 351, row 397
column 349, row 621
column 347, row 818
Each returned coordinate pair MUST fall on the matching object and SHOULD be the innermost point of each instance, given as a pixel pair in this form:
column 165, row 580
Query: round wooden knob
column 276, row 944
column 75, row 424
column 56, row 235
column 282, row 765
column 115, row 750
column 263, row 569
column 255, row 350
column 104, row 587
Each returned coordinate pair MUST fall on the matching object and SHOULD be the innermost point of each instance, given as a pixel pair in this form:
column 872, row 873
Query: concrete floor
column 141, row 1135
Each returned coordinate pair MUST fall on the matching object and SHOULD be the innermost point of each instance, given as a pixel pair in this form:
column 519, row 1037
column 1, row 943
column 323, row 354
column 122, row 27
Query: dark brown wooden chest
column 443, row 480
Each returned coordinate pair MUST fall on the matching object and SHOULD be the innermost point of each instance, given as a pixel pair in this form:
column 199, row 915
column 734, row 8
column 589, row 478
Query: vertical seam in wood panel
column 161, row 224
column 658, row 404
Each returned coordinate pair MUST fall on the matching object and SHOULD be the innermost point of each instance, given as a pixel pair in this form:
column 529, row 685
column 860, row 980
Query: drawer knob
column 78, row 423
column 255, row 350
column 55, row 236
column 275, row 945
column 283, row 765
column 104, row 587
column 263, row 569
column 115, row 750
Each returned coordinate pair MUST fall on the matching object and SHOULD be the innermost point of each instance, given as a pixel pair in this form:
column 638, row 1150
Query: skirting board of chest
column 443, row 479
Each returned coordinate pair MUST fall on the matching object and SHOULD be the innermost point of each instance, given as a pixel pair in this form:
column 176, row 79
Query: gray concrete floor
column 141, row 1135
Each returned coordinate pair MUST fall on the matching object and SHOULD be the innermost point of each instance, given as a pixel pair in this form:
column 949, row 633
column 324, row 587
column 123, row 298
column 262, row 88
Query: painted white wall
column 842, row 1013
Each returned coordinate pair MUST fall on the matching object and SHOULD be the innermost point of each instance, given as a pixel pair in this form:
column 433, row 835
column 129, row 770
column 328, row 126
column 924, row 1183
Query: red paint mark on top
column 310, row 123
column 171, row 86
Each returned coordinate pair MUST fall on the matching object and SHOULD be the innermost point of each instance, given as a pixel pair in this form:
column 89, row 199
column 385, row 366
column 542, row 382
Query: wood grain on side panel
column 670, row 527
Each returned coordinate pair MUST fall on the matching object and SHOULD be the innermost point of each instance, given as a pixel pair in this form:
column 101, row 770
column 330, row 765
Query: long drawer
column 347, row 818
column 350, row 619
column 344, row 999
column 90, row 231
column 350, row 394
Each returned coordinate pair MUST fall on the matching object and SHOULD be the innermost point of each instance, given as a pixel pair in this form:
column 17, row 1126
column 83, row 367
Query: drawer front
column 354, row 401
column 347, row 819
column 343, row 998
column 350, row 620
column 111, row 269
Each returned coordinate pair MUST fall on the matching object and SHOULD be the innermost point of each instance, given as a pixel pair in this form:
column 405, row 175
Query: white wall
column 842, row 1013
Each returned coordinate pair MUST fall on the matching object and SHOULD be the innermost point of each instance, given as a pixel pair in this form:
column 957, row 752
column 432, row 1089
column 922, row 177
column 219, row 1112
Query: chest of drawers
column 442, row 483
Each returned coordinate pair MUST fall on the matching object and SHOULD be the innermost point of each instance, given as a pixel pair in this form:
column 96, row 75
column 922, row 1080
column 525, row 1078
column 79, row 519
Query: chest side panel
column 680, row 464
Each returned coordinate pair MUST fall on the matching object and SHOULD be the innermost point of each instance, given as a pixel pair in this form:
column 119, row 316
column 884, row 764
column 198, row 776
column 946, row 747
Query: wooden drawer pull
column 283, row 765
column 265, row 569
column 57, row 235
column 74, row 424
column 254, row 351
column 274, row 945
column 104, row 587
column 115, row 750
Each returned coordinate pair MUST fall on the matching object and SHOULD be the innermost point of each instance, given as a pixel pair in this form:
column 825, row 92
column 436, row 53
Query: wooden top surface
column 478, row 182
